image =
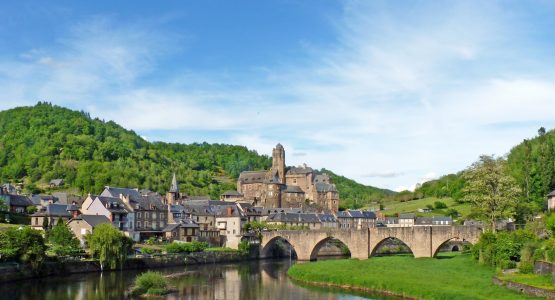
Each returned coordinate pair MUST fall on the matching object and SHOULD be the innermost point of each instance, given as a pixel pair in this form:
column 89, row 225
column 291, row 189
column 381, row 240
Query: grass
column 221, row 249
column 4, row 226
column 540, row 281
column 414, row 205
column 450, row 277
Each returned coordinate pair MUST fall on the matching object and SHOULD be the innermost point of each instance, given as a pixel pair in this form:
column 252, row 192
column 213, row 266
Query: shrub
column 146, row 250
column 176, row 247
column 150, row 283
column 550, row 224
column 440, row 205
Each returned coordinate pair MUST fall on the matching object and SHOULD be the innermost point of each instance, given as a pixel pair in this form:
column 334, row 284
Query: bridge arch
column 269, row 246
column 436, row 249
column 318, row 246
column 381, row 243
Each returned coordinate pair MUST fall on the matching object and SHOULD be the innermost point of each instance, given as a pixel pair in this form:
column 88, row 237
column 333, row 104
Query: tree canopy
column 108, row 245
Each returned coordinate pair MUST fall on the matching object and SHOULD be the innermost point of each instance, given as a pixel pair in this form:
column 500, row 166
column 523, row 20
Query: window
column 138, row 215
column 154, row 216
column 138, row 224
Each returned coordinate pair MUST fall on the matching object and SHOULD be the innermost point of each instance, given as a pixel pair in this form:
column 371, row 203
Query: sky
column 389, row 93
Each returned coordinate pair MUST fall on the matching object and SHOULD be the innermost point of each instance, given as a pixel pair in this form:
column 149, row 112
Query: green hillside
column 45, row 142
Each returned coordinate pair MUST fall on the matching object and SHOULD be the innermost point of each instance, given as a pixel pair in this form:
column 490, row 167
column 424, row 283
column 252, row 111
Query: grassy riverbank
column 452, row 276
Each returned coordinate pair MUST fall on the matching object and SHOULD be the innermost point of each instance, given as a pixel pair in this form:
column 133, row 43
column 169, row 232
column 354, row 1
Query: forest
column 45, row 142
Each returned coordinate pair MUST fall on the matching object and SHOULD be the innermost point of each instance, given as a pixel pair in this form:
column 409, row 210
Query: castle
column 283, row 186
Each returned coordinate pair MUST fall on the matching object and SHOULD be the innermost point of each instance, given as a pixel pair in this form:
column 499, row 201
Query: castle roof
column 252, row 176
column 299, row 170
column 293, row 189
column 279, row 146
column 323, row 187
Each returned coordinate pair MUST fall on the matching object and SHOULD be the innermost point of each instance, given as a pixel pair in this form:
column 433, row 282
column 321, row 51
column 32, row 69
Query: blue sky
column 390, row 93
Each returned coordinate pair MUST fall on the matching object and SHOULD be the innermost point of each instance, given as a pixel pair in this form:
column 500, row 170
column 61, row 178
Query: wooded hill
column 45, row 142
column 531, row 163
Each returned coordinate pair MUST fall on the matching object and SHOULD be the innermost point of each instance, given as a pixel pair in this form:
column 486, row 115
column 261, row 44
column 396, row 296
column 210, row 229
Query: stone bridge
column 423, row 241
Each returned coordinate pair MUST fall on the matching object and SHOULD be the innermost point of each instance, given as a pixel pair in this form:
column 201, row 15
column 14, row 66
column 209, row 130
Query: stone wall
column 16, row 271
column 525, row 289
column 543, row 268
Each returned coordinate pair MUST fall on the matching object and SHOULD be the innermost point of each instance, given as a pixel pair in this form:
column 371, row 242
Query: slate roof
column 407, row 216
column 299, row 170
column 112, row 204
column 369, row 214
column 321, row 178
column 293, row 218
column 54, row 210
column 252, row 176
column 325, row 187
column 17, row 200
column 356, row 214
column 293, row 189
column 343, row 214
column 57, row 182
column 174, row 187
column 423, row 221
column 327, row 218
column 551, row 194
column 115, row 192
column 93, row 220
column 62, row 197
column 10, row 188
column 232, row 193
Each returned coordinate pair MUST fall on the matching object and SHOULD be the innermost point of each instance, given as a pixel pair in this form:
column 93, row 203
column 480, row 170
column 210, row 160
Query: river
column 264, row 279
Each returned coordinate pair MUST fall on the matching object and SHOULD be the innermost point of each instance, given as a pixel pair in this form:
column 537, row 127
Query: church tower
column 173, row 193
column 278, row 162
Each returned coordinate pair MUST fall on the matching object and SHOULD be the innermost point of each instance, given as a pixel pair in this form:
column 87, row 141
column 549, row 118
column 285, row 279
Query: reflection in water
column 250, row 280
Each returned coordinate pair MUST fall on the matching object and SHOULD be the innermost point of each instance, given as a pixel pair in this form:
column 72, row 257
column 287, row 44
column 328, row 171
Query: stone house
column 53, row 213
column 54, row 183
column 16, row 203
column 308, row 220
column 230, row 221
column 84, row 224
column 328, row 220
column 433, row 221
column 114, row 209
column 184, row 230
column 406, row 220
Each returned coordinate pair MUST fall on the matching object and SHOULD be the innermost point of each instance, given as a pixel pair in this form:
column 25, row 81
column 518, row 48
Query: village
column 294, row 198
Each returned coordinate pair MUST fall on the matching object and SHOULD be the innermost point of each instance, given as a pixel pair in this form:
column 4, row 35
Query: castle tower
column 278, row 162
column 173, row 193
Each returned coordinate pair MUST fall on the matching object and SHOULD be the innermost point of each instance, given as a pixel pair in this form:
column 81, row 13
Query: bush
column 550, row 224
column 24, row 245
column 146, row 250
column 176, row 247
column 502, row 250
column 150, row 283
column 440, row 205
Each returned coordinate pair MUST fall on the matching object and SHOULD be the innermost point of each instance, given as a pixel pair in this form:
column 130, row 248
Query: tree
column 45, row 223
column 109, row 245
column 492, row 193
column 62, row 240
column 440, row 205
column 23, row 244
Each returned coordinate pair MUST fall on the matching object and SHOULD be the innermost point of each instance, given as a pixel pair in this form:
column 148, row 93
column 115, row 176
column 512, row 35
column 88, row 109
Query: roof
column 93, row 220
column 343, row 214
column 293, row 218
column 232, row 193
column 407, row 216
column 17, row 200
column 57, row 182
column 552, row 194
column 293, row 189
column 174, row 187
column 327, row 218
column 54, row 210
column 113, row 204
column 322, row 178
column 299, row 170
column 252, row 176
column 325, row 187
column 115, row 192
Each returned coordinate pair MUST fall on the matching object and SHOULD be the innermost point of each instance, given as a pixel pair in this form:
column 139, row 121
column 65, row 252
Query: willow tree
column 109, row 245
column 492, row 192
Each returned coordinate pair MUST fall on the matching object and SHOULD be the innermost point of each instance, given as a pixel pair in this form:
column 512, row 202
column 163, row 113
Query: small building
column 406, row 220
column 185, row 230
column 84, row 224
column 307, row 220
column 16, row 203
column 230, row 221
column 54, row 183
column 231, row 196
column 52, row 213
column 328, row 220
column 424, row 210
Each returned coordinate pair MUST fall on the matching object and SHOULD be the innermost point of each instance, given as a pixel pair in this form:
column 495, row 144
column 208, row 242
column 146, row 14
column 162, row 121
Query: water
column 265, row 279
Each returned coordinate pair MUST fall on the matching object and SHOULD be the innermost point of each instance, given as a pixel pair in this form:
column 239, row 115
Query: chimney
column 229, row 211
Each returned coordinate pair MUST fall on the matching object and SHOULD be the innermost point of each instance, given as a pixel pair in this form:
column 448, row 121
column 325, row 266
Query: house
column 252, row 213
column 230, row 221
column 51, row 214
column 147, row 214
column 344, row 219
column 7, row 188
column 551, row 201
column 84, row 224
column 54, row 183
column 406, row 220
column 112, row 208
column 328, row 220
column 16, row 203
column 307, row 220
column 185, row 231
column 424, row 210
column 231, row 196
column 43, row 200
column 390, row 222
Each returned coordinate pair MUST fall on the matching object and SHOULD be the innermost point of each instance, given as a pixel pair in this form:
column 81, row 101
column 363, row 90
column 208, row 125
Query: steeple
column 174, row 188
column 278, row 162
